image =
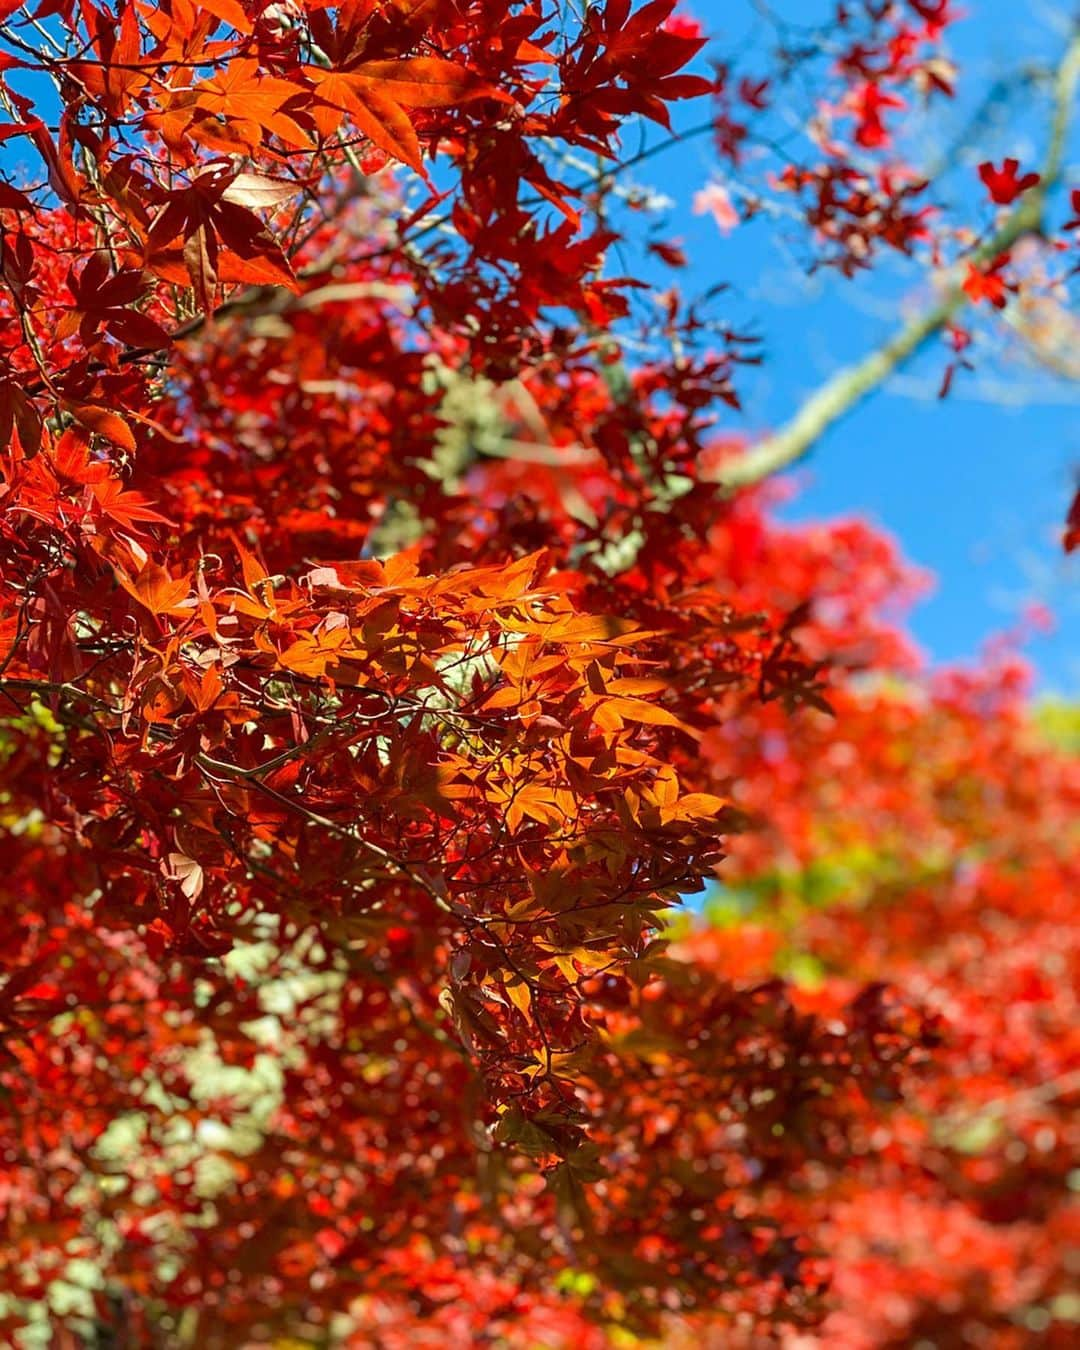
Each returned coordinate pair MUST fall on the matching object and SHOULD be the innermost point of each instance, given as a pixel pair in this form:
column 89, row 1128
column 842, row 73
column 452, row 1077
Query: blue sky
column 975, row 488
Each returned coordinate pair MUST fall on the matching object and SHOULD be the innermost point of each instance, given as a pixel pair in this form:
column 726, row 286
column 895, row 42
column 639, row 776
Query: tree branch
column 850, row 386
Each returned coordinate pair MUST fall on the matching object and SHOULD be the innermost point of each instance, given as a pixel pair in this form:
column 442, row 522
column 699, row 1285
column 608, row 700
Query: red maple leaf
column 1072, row 524
column 1003, row 184
column 987, row 283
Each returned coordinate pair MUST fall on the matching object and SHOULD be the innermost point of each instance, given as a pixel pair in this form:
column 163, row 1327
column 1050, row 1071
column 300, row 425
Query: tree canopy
column 394, row 635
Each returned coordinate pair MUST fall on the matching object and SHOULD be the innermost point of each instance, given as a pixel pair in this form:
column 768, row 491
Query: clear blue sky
column 975, row 490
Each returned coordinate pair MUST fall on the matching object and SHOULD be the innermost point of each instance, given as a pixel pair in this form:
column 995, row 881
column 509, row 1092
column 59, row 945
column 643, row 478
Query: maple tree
column 925, row 837
column 385, row 652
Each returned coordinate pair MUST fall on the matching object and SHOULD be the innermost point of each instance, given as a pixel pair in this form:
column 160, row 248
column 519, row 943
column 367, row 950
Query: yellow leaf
column 637, row 710
column 695, row 806
column 592, row 960
column 567, row 967
column 520, row 995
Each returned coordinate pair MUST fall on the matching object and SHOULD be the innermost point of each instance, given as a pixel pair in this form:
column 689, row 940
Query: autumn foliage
column 385, row 655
